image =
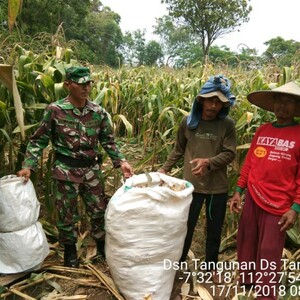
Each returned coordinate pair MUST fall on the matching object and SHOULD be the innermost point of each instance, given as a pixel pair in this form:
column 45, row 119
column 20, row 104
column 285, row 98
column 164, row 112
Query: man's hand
column 126, row 169
column 288, row 220
column 200, row 165
column 25, row 173
column 235, row 203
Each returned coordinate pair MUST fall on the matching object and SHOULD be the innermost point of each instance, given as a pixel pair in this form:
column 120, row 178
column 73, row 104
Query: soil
column 52, row 281
column 93, row 280
column 65, row 283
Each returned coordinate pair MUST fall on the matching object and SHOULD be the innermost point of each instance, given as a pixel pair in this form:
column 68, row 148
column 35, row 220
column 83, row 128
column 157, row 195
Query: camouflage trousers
column 67, row 194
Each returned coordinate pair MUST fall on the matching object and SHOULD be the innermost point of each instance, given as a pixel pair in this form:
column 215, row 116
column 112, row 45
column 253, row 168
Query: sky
column 268, row 19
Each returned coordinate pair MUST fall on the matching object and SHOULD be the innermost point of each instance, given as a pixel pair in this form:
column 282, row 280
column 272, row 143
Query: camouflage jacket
column 73, row 133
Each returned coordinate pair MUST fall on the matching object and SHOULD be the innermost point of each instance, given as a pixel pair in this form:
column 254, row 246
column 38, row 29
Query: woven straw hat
column 265, row 99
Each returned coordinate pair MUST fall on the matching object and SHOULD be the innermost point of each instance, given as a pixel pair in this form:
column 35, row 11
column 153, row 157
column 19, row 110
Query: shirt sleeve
column 107, row 141
column 228, row 149
column 38, row 141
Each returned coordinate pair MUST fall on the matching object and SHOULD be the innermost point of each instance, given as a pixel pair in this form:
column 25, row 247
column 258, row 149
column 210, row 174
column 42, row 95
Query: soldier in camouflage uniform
column 76, row 126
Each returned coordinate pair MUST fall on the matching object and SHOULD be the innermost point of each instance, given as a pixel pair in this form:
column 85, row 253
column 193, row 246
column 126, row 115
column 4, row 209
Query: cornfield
column 145, row 105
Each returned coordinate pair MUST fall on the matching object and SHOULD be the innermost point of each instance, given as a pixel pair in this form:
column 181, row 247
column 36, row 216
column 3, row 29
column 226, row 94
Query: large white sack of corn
column 19, row 206
column 23, row 250
column 145, row 228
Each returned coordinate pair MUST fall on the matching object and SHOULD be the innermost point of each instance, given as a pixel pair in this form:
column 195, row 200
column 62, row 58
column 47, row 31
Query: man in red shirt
column 271, row 175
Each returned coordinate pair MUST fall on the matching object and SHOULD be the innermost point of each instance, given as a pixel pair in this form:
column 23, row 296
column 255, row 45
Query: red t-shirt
column 271, row 171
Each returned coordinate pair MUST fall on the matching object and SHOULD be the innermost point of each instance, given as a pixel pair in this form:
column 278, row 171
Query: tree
column 181, row 47
column 103, row 36
column 153, row 53
column 91, row 29
column 174, row 39
column 137, row 52
column 281, row 51
column 210, row 19
column 46, row 16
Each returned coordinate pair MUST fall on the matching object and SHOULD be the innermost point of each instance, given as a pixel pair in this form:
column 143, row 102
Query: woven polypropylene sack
column 22, row 250
column 146, row 224
column 19, row 206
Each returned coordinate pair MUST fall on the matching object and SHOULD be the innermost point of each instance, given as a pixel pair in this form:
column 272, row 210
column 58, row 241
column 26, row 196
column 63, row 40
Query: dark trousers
column 215, row 212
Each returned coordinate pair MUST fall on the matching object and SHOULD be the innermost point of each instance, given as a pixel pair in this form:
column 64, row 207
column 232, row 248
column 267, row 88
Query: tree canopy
column 281, row 51
column 91, row 31
column 210, row 19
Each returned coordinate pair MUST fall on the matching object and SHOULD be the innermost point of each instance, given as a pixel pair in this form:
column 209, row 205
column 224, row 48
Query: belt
column 75, row 162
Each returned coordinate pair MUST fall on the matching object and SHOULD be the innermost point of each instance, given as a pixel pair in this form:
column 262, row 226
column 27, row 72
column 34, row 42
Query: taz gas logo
column 278, row 144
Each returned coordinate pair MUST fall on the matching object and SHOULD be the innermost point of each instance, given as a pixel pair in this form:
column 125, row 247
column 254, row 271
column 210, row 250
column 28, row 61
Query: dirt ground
column 56, row 282
column 93, row 280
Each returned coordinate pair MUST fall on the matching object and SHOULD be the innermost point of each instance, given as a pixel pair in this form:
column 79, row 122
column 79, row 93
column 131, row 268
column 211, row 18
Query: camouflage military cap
column 79, row 75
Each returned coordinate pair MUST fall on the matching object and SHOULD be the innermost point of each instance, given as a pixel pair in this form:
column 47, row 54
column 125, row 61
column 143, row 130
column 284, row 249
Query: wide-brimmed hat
column 80, row 75
column 265, row 98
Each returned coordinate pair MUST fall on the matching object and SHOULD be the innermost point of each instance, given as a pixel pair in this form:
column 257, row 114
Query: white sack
column 145, row 227
column 19, row 206
column 22, row 250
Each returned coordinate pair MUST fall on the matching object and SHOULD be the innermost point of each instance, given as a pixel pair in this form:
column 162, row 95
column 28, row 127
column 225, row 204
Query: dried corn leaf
column 76, row 297
column 22, row 295
column 91, row 252
column 7, row 76
column 7, row 279
column 191, row 255
column 185, row 289
column 55, row 296
column 286, row 253
column 55, row 285
column 107, row 281
column 203, row 293
column 50, row 296
column 240, row 296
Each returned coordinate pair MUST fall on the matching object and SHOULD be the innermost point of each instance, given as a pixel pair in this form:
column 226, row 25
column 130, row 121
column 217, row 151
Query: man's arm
column 228, row 149
column 38, row 141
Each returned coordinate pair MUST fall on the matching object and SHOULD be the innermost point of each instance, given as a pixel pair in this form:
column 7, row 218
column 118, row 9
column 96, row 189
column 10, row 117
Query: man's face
column 285, row 107
column 79, row 91
column 211, row 108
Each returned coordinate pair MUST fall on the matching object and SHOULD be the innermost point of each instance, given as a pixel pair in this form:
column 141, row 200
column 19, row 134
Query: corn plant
column 146, row 106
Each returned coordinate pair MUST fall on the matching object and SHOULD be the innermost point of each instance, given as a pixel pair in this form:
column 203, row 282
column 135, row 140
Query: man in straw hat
column 271, row 174
column 206, row 140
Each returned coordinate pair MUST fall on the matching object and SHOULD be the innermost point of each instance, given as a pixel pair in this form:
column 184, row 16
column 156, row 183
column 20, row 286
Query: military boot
column 70, row 256
column 101, row 248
